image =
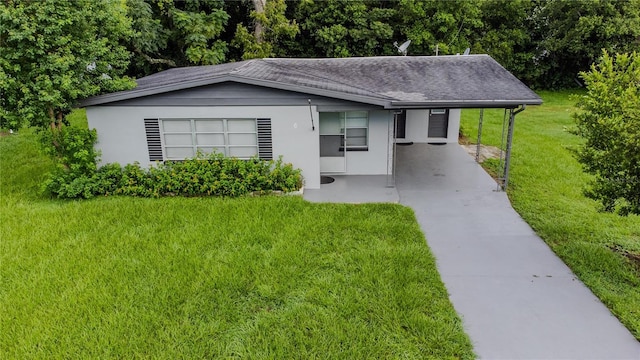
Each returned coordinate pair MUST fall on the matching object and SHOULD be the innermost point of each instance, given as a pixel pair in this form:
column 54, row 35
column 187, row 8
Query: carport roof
column 392, row 82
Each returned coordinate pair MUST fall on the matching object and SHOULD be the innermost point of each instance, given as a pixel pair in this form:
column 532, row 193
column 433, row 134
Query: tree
column 53, row 53
column 342, row 28
column 198, row 32
column 168, row 33
column 449, row 25
column 510, row 36
column 575, row 32
column 149, row 40
column 608, row 117
column 270, row 26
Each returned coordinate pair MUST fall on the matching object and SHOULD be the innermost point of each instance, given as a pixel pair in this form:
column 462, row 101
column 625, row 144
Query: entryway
column 341, row 132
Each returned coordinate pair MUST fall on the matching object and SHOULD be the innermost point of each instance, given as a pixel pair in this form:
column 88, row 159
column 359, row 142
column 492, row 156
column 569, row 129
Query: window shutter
column 265, row 144
column 152, row 128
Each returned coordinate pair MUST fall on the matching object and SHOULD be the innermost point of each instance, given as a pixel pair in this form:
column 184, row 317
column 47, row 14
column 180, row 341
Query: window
column 340, row 130
column 355, row 125
column 183, row 138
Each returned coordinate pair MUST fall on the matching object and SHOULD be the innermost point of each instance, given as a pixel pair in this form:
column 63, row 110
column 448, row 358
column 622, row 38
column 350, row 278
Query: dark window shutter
column 265, row 144
column 152, row 128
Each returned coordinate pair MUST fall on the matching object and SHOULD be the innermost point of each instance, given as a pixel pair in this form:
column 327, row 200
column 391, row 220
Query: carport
column 511, row 109
column 416, row 162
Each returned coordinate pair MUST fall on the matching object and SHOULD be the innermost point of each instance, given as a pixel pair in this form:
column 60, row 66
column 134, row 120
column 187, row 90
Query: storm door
column 332, row 138
column 341, row 132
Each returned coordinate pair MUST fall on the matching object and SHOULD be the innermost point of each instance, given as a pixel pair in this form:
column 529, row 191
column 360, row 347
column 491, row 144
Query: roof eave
column 461, row 104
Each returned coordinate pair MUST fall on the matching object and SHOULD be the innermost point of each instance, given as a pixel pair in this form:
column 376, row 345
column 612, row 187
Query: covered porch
column 418, row 166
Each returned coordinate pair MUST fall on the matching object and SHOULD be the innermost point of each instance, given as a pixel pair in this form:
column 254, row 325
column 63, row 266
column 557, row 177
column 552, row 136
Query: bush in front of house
column 204, row 175
column 213, row 175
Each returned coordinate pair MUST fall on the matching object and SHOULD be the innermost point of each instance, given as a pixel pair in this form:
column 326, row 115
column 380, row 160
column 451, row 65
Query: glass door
column 332, row 139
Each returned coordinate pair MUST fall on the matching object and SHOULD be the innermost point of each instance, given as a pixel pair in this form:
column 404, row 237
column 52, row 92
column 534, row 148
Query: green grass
column 170, row 278
column 546, row 187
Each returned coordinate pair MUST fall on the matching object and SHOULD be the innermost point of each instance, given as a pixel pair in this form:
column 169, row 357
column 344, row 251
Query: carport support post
column 479, row 135
column 507, row 161
column 391, row 152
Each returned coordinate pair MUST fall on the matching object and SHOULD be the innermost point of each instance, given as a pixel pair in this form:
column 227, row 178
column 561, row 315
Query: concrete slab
column 516, row 298
column 354, row 189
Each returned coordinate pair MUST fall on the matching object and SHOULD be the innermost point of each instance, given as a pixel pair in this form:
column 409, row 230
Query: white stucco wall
column 122, row 137
column 418, row 126
column 454, row 126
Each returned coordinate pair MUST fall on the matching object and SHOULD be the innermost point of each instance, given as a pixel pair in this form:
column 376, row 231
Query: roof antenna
column 402, row 48
column 313, row 126
column 467, row 51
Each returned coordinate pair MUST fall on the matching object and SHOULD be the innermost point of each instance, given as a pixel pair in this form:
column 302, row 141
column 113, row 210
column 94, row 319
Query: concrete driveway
column 516, row 298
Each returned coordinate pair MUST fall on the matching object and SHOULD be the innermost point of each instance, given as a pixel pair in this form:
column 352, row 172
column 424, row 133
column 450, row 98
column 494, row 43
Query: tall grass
column 171, row 278
column 546, row 188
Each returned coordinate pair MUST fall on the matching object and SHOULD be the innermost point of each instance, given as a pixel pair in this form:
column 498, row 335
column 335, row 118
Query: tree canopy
column 573, row 34
column 55, row 52
column 270, row 25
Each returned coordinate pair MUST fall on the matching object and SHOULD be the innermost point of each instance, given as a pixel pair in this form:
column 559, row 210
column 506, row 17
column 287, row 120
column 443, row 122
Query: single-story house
column 325, row 116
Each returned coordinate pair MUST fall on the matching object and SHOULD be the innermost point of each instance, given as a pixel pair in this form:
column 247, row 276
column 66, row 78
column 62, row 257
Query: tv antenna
column 402, row 48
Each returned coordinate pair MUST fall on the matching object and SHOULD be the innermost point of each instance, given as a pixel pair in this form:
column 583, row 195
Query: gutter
column 434, row 104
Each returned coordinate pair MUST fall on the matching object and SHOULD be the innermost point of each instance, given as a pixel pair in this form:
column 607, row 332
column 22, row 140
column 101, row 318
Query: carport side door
column 400, row 125
column 438, row 123
column 332, row 139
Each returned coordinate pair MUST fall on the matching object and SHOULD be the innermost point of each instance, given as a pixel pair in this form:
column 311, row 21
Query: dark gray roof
column 390, row 82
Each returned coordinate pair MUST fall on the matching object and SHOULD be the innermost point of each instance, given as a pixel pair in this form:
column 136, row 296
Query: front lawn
column 268, row 277
column 545, row 187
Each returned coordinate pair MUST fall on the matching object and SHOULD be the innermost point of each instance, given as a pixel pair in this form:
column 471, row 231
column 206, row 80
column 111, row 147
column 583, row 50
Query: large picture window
column 183, row 138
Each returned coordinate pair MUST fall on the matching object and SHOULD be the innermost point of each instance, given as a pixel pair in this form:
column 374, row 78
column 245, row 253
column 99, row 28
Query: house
column 325, row 116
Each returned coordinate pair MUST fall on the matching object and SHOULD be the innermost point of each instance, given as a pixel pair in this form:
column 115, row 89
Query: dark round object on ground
column 326, row 179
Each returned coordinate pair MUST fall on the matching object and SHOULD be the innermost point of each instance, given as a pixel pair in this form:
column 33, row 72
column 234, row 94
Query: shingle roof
column 391, row 82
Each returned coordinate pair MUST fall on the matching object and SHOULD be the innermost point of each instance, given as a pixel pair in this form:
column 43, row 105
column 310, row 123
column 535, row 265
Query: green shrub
column 212, row 175
column 608, row 118
column 73, row 149
column 108, row 178
column 76, row 159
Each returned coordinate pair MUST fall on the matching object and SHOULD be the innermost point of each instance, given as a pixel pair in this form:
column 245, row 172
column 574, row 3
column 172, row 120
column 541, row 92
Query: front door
column 438, row 123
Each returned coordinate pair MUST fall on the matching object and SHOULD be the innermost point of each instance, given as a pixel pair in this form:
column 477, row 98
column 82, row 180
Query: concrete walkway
column 516, row 298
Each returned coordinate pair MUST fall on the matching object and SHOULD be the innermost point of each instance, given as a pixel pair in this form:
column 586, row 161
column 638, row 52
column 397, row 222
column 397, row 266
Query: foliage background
column 45, row 47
